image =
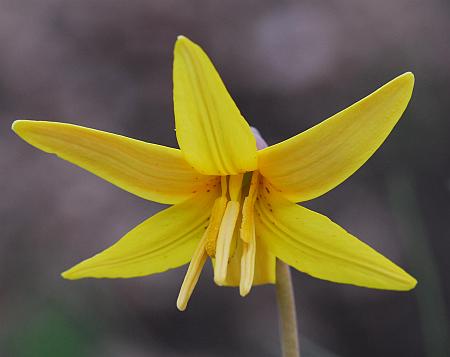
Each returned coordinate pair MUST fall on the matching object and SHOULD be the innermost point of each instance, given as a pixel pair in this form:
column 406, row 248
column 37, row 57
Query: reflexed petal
column 211, row 132
column 312, row 243
column 164, row 241
column 317, row 160
column 153, row 172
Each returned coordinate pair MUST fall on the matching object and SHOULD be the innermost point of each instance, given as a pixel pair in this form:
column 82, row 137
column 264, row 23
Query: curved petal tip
column 17, row 125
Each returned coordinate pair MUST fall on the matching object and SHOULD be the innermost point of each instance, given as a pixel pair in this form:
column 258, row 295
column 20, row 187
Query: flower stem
column 290, row 346
column 286, row 307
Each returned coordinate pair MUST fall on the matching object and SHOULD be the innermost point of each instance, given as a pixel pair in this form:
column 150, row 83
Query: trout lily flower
column 231, row 202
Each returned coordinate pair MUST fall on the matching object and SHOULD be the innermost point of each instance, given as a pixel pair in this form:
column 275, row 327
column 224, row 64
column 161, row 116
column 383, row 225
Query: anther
column 192, row 274
column 248, row 225
column 224, row 239
column 247, row 265
column 217, row 213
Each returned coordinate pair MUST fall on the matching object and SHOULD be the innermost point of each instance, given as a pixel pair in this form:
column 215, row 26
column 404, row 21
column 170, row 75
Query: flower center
column 233, row 207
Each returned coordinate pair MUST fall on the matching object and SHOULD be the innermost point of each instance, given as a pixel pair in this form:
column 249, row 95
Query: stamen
column 224, row 185
column 247, row 265
column 247, row 234
column 212, row 232
column 235, row 183
column 247, row 225
column 192, row 274
column 224, row 241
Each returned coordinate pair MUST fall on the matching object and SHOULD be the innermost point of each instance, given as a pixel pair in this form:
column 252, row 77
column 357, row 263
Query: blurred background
column 288, row 65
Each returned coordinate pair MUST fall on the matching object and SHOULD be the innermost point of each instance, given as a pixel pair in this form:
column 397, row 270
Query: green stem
column 286, row 307
column 290, row 346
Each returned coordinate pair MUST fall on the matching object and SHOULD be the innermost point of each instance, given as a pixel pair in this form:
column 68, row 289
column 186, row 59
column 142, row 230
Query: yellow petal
column 312, row 243
column 211, row 132
column 164, row 241
column 153, row 172
column 265, row 262
column 317, row 160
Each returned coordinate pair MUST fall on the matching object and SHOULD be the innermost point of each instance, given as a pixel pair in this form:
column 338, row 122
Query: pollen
column 214, row 225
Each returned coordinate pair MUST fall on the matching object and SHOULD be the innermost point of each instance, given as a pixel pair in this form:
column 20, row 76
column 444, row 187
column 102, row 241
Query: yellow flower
column 233, row 203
